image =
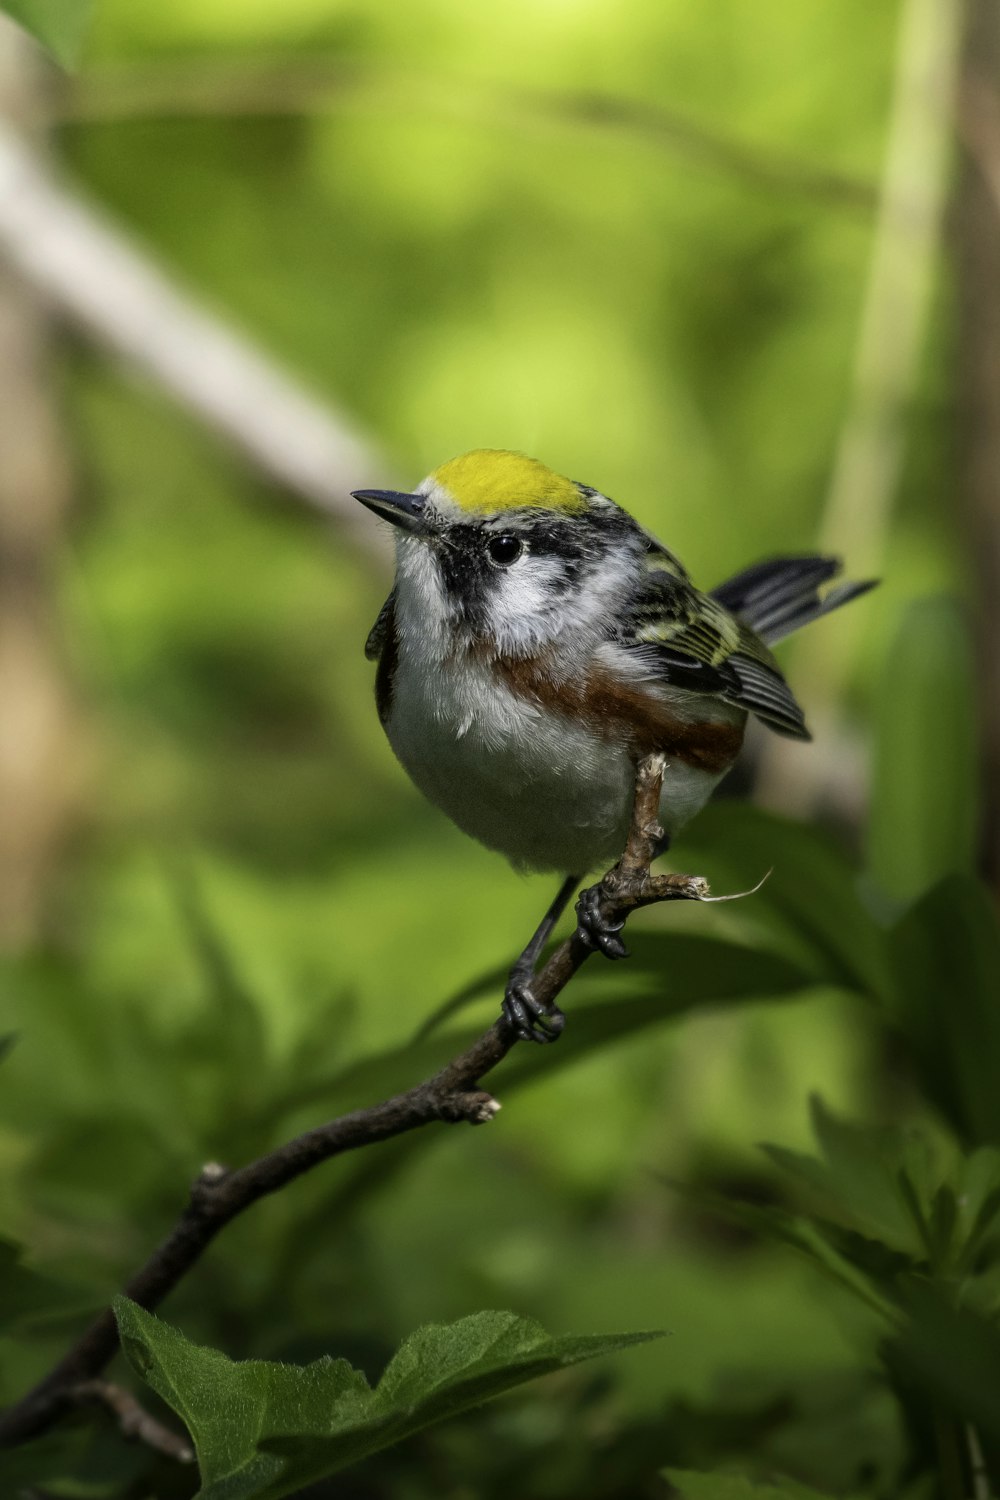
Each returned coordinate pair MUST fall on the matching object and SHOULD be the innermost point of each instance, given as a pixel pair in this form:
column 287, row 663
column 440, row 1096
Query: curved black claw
column 527, row 1017
column 594, row 930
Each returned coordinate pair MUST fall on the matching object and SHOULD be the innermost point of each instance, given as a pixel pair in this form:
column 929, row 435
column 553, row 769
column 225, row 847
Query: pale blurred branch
column 134, row 1422
column 91, row 273
column 894, row 320
column 43, row 745
column 315, row 86
column 891, row 339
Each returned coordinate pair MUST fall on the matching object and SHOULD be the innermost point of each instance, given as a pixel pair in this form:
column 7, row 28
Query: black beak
column 404, row 511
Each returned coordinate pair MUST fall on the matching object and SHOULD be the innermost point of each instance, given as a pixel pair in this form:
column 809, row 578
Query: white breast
column 538, row 788
column 533, row 784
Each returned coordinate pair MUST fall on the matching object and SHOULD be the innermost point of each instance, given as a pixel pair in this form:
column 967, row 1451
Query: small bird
column 538, row 642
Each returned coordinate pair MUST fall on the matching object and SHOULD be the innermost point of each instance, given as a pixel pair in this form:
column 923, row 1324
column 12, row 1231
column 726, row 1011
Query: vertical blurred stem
column 981, row 1487
column 891, row 337
column 976, row 249
column 36, row 721
column 947, row 1437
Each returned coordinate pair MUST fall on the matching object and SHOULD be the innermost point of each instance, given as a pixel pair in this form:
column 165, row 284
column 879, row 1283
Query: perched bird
column 538, row 642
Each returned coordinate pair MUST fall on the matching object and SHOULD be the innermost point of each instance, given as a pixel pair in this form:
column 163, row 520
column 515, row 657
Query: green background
column 631, row 238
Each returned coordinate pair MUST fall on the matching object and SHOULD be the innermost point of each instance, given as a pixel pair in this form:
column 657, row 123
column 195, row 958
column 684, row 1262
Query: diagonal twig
column 452, row 1095
column 303, row 87
column 90, row 272
column 134, row 1421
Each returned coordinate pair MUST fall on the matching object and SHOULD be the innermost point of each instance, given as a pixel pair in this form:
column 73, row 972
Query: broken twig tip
column 739, row 895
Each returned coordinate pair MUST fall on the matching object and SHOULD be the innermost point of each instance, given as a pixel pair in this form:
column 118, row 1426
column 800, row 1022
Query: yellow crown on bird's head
column 494, row 479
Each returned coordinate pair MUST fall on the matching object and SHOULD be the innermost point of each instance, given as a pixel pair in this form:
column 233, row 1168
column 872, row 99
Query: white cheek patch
column 532, row 607
column 529, row 605
column 524, row 604
column 606, row 588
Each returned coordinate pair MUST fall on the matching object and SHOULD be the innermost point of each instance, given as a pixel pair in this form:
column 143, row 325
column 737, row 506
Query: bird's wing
column 375, row 644
column 691, row 641
column 382, row 646
column 781, row 594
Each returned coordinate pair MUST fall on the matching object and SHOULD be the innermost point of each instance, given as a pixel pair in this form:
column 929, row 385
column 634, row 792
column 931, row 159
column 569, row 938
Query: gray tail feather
column 778, row 596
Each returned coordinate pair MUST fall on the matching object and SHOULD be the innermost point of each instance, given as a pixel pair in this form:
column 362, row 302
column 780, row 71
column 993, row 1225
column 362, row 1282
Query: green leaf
column 235, row 1010
column 876, row 1180
column 819, row 1243
column 264, row 1429
column 678, row 972
column 704, row 971
column 977, row 1195
column 809, row 908
column 947, row 956
column 953, row 1353
column 85, row 1460
column 816, row 1243
column 924, row 803
column 60, row 25
column 687, row 969
column 692, row 1486
column 28, row 1296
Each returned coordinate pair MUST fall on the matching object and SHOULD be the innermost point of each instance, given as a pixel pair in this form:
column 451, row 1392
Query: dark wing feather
column 780, row 595
column 375, row 644
column 692, row 641
column 773, row 580
column 767, row 695
column 382, row 646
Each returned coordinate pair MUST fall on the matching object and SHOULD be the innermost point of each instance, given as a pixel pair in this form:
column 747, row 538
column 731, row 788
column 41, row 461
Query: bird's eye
column 504, row 550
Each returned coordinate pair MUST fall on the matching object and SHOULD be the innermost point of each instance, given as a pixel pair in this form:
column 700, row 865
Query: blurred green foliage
column 465, row 243
column 59, row 24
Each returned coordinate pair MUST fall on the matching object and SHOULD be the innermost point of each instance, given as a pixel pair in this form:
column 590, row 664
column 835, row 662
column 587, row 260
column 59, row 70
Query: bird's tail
column 776, row 597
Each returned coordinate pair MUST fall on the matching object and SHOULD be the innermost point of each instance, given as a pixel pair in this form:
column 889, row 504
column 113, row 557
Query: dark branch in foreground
column 451, row 1095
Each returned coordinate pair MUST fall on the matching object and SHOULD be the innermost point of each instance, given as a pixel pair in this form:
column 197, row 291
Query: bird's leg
column 532, row 1021
column 593, row 928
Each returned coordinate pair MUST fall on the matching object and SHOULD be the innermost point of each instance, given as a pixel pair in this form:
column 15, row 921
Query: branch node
column 206, row 1185
column 677, row 887
column 737, row 895
column 468, row 1106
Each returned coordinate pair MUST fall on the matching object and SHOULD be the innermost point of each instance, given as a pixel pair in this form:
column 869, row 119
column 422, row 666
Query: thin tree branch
column 317, row 85
column 134, row 1421
column 90, row 272
column 452, row 1095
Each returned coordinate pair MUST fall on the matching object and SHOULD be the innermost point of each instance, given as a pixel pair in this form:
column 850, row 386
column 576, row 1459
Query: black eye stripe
column 560, row 550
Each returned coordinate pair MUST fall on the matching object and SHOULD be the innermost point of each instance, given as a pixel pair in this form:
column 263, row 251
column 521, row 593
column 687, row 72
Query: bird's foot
column 593, row 928
column 527, row 1017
